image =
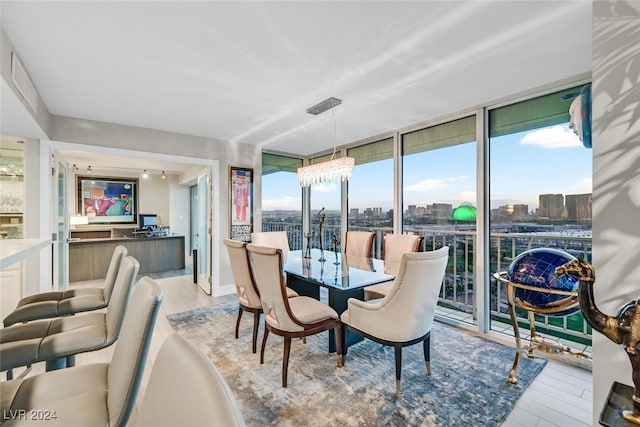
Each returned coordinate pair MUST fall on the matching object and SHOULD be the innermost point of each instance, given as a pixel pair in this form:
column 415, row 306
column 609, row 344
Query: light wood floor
column 560, row 396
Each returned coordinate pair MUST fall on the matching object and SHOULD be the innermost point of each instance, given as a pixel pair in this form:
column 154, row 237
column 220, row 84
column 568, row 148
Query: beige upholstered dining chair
column 288, row 317
column 47, row 305
column 395, row 245
column 100, row 394
column 405, row 316
column 179, row 367
column 272, row 239
column 246, row 288
column 50, row 340
column 358, row 243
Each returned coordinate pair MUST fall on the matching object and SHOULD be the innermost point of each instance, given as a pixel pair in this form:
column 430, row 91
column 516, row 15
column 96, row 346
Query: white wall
column 159, row 143
column 616, row 180
column 179, row 214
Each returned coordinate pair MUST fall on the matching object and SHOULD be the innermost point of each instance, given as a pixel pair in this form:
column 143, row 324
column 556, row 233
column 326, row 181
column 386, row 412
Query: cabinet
column 89, row 259
column 11, row 206
column 11, row 225
column 10, row 288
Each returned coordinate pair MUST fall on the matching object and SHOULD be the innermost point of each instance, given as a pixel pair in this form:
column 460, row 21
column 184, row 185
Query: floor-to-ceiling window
column 439, row 202
column 326, row 207
column 538, row 193
column 282, row 197
column 540, row 196
column 370, row 190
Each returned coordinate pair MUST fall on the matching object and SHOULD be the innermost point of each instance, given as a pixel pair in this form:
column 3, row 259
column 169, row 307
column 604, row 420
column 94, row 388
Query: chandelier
column 333, row 169
column 328, row 171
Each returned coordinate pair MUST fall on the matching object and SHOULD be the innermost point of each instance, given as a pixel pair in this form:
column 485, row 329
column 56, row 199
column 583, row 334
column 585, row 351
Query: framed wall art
column 107, row 200
column 241, row 203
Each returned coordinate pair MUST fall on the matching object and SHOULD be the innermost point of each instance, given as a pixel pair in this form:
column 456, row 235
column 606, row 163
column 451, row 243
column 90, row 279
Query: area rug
column 468, row 386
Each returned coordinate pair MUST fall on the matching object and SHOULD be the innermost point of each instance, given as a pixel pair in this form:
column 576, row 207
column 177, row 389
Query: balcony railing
column 456, row 296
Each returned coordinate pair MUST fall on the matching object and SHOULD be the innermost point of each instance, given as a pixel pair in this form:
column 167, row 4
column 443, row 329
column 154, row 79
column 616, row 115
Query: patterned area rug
column 468, row 386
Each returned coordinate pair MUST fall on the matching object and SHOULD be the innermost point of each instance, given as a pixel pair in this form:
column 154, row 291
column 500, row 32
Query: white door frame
column 47, row 147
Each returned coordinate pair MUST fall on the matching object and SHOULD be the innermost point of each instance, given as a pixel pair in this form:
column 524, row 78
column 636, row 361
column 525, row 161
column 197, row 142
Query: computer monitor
column 148, row 221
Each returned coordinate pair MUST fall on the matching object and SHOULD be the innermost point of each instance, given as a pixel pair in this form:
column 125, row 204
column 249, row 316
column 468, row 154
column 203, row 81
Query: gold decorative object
column 621, row 329
column 536, row 341
column 321, row 216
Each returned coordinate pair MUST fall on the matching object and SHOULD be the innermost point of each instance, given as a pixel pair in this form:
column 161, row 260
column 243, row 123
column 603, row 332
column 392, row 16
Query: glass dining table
column 343, row 276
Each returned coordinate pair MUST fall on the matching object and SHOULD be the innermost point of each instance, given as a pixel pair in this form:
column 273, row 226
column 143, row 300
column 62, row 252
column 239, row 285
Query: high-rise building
column 520, row 211
column 442, row 210
column 551, row 206
column 578, row 207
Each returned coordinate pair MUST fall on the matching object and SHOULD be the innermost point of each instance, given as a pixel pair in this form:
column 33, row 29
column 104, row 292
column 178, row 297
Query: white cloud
column 585, row 185
column 553, row 137
column 283, row 203
column 431, row 184
column 325, row 188
column 467, row 196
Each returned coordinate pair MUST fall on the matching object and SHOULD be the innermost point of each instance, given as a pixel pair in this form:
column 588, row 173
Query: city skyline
column 448, row 176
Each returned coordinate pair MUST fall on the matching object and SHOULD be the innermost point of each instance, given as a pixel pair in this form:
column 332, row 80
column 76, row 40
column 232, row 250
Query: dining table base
column 337, row 300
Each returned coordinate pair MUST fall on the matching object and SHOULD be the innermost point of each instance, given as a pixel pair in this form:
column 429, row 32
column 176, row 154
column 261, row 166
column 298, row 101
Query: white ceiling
column 246, row 71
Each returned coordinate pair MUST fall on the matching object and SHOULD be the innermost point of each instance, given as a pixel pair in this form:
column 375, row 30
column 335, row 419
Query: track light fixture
column 75, row 168
column 163, row 175
column 89, row 170
column 145, row 175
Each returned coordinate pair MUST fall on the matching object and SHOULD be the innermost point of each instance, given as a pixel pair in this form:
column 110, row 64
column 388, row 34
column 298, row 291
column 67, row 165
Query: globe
column 536, row 268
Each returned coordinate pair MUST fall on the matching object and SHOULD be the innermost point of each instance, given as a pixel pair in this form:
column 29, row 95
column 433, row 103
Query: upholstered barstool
column 100, row 394
column 50, row 340
column 405, row 315
column 48, row 305
column 395, row 245
column 181, row 366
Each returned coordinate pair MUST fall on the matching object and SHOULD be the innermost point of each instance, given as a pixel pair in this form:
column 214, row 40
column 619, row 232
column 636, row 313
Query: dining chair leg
column 264, row 343
column 256, row 322
column 285, row 359
column 339, row 344
column 426, row 346
column 238, row 321
column 398, row 348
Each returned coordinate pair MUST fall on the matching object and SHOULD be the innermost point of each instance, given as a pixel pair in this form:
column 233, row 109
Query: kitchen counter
column 14, row 250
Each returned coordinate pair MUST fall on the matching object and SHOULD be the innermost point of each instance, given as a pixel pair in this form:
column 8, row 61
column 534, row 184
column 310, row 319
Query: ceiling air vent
column 23, row 83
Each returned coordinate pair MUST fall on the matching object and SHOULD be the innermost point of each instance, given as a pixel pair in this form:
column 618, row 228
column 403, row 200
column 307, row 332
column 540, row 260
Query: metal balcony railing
column 456, row 296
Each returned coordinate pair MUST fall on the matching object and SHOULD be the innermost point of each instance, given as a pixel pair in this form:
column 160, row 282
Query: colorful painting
column 241, row 203
column 107, row 200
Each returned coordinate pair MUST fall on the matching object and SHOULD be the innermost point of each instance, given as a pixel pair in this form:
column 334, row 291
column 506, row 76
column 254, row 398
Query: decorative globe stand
column 537, row 341
column 532, row 284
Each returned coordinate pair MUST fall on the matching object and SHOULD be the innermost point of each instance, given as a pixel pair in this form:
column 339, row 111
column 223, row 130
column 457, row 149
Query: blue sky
column 523, row 165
